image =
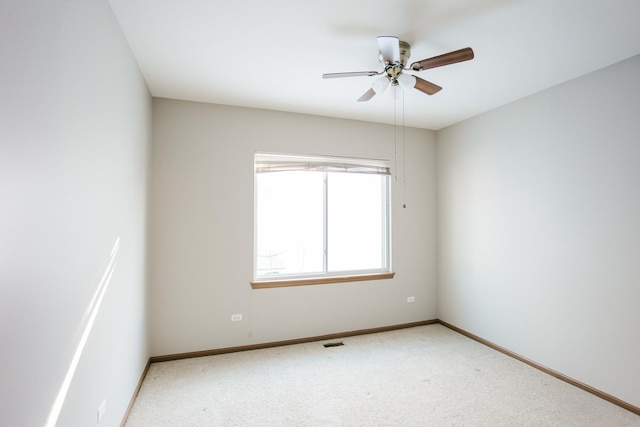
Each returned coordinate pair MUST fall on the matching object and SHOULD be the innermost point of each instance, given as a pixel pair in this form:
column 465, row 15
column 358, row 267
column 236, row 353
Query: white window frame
column 278, row 162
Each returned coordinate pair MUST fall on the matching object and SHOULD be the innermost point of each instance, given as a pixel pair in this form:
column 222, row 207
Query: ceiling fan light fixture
column 380, row 85
column 406, row 81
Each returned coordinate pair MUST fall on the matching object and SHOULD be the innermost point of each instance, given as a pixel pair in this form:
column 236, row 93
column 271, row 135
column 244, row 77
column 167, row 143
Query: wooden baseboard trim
column 213, row 352
column 558, row 375
column 135, row 393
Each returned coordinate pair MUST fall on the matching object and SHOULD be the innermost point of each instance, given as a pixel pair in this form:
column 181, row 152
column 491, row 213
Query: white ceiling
column 272, row 53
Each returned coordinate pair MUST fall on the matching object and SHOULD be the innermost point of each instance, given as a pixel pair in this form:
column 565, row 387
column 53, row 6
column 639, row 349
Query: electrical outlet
column 101, row 410
column 236, row 317
column 411, row 299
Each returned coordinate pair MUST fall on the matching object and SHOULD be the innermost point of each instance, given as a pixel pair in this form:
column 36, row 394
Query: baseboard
column 169, row 357
column 135, row 393
column 213, row 352
column 558, row 375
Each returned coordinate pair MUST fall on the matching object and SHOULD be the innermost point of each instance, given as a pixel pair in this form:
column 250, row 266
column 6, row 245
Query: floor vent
column 333, row 344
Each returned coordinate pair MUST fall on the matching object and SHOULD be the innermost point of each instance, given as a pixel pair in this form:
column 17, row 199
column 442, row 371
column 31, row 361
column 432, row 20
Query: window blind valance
column 272, row 162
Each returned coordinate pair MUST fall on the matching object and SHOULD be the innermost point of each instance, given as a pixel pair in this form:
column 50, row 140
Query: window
column 320, row 218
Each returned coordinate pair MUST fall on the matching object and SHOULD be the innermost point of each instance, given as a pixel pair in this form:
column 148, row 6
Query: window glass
column 319, row 216
column 289, row 216
column 355, row 223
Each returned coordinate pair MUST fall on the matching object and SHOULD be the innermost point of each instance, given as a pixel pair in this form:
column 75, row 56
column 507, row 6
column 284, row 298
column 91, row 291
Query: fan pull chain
column 404, row 180
column 395, row 136
column 404, row 169
column 395, row 142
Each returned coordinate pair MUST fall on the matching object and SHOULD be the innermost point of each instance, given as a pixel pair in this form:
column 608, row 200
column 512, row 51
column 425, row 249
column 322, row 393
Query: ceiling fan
column 393, row 55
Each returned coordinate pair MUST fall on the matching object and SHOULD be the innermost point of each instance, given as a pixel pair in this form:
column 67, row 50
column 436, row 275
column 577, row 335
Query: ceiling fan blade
column 426, row 87
column 350, row 74
column 389, row 48
column 445, row 59
column 367, row 95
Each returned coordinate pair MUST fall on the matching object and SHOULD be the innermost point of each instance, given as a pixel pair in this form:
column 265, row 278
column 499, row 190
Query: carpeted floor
column 421, row 376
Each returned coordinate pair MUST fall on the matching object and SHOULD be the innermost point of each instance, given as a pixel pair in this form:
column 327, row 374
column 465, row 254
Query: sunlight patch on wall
column 88, row 320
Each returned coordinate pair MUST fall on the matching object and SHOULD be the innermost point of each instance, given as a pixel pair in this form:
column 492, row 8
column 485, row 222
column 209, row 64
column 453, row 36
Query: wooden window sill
column 265, row 284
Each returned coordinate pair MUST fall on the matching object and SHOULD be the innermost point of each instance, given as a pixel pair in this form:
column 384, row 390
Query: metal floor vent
column 333, row 344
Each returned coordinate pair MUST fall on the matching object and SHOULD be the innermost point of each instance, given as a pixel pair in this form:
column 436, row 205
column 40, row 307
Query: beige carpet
column 422, row 376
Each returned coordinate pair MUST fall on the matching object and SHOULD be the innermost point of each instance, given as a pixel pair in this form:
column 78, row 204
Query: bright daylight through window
column 320, row 217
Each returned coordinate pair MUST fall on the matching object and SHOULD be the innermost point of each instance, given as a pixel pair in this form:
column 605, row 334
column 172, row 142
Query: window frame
column 327, row 165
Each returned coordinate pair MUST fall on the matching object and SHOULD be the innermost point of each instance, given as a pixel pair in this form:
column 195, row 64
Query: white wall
column 539, row 219
column 202, row 230
column 75, row 123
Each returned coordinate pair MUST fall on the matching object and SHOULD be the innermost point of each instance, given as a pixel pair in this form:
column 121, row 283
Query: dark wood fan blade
column 426, row 87
column 445, row 59
column 350, row 74
column 367, row 95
